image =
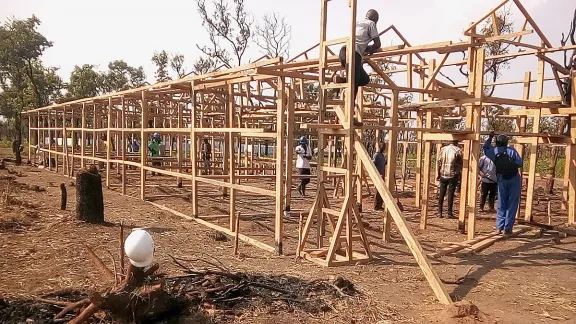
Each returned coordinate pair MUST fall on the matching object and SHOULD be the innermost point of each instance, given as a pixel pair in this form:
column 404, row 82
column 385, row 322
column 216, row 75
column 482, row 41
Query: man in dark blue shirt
column 507, row 161
column 380, row 162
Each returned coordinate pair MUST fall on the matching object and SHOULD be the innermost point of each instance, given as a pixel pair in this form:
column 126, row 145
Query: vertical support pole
column 193, row 150
column 391, row 167
column 532, row 167
column 427, row 163
column 425, row 205
column 464, row 189
column 349, row 126
column 143, row 145
column 74, row 136
column 123, row 143
column 522, row 129
column 478, row 88
column 359, row 168
column 572, row 159
column 230, row 161
column 64, row 143
column 534, row 146
column 419, row 124
column 108, row 142
column 49, row 118
column 290, row 150
column 83, row 144
column 322, row 97
column 179, row 143
column 94, row 140
column 30, row 125
column 279, row 201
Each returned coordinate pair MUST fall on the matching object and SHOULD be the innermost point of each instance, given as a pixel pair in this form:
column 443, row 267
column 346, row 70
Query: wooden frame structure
column 271, row 101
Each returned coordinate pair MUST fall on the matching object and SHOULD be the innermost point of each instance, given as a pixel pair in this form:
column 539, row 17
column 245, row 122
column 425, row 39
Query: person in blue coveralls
column 507, row 162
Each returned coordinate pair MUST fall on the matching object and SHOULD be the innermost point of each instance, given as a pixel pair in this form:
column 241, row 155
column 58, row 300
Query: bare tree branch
column 273, row 35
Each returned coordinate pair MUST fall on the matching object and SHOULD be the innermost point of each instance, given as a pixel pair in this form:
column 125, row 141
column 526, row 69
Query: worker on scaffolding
column 366, row 33
column 303, row 164
column 449, row 166
column 507, row 162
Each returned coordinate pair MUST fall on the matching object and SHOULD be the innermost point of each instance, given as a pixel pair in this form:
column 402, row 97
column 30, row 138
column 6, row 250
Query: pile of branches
column 141, row 295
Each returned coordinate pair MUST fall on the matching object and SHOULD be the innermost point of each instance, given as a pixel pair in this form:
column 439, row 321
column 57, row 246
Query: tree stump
column 64, row 196
column 89, row 196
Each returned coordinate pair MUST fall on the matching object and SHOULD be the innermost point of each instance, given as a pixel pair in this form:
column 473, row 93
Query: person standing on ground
column 206, row 155
column 507, row 162
column 154, row 150
column 304, row 155
column 380, row 162
column 489, row 182
column 449, row 167
column 366, row 33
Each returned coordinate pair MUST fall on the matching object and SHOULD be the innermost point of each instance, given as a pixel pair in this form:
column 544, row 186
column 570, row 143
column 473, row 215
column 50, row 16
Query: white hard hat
column 139, row 248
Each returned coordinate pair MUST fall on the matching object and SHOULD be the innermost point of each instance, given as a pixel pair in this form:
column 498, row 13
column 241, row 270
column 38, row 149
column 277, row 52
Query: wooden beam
column 403, row 227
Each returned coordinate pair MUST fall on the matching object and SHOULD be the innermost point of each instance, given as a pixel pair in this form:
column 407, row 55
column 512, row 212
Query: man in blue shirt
column 380, row 162
column 507, row 162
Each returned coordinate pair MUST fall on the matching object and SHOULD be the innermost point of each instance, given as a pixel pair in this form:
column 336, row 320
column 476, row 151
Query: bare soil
column 528, row 279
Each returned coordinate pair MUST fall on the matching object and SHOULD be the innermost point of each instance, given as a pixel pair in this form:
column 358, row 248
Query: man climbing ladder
column 366, row 32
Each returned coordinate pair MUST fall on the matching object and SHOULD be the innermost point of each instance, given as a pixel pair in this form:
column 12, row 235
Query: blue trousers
column 508, row 200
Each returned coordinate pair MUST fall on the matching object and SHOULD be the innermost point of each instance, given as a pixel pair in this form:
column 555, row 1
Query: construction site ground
column 528, row 279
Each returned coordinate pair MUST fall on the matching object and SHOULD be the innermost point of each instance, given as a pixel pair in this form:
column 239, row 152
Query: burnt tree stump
column 64, row 196
column 89, row 197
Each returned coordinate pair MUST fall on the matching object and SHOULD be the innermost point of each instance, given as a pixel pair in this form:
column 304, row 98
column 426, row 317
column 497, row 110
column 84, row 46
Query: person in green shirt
column 154, row 149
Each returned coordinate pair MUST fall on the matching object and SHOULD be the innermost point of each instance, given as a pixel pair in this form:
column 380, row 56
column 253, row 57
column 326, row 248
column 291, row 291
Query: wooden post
column 230, row 161
column 193, row 150
column 478, row 88
column 532, row 167
column 143, row 145
column 359, row 170
column 522, row 129
column 108, row 142
column 290, row 150
column 123, row 141
column 280, row 162
column 83, row 144
column 29, row 139
column 391, row 167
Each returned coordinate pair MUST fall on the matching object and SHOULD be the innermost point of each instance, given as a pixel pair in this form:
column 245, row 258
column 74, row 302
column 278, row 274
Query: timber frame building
column 269, row 101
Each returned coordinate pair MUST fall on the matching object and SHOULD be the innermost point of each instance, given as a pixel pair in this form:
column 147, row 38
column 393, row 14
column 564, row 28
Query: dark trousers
column 489, row 190
column 450, row 184
column 361, row 78
column 303, row 181
column 378, row 201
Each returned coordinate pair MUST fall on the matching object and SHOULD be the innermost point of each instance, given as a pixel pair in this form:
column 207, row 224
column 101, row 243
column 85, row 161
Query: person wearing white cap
column 139, row 248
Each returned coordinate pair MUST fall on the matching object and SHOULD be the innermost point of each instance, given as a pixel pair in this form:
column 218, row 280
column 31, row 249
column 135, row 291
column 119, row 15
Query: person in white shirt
column 366, row 32
column 304, row 155
column 489, row 182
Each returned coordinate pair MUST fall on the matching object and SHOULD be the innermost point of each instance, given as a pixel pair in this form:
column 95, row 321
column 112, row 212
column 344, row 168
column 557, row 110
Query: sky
column 97, row 32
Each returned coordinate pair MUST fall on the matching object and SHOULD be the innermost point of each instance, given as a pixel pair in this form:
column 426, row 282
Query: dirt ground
column 528, row 279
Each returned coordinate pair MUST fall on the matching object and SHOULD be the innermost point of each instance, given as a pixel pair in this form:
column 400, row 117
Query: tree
column 85, row 82
column 230, row 26
column 121, row 76
column 24, row 81
column 204, row 65
column 273, row 36
column 177, row 64
column 161, row 61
